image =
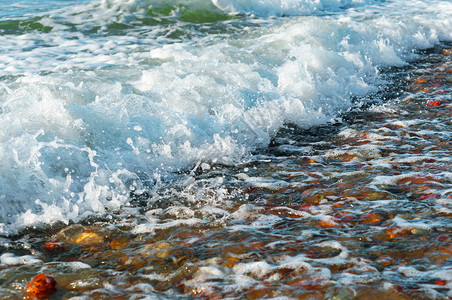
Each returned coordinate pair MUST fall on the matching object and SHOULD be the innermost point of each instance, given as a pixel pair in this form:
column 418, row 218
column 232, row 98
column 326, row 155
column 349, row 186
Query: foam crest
column 284, row 7
column 112, row 15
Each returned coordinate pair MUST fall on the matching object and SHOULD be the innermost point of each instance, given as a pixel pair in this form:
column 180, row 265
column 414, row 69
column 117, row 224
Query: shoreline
column 360, row 214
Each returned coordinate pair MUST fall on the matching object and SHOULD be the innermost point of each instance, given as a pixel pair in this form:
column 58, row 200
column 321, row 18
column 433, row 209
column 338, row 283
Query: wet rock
column 82, row 235
column 53, row 247
column 41, row 287
column 88, row 238
column 159, row 250
column 119, row 242
column 374, row 217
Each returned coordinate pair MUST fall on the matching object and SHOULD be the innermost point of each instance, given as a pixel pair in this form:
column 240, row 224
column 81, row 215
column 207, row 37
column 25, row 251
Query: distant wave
column 264, row 8
column 99, row 14
column 261, row 8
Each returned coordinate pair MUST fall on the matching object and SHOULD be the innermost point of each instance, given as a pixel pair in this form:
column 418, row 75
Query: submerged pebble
column 41, row 287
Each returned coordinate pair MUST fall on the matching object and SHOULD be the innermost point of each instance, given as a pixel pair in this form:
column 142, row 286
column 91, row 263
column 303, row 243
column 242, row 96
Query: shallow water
column 231, row 149
column 356, row 210
column 103, row 98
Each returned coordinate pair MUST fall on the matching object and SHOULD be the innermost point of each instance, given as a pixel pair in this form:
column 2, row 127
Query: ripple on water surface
column 359, row 212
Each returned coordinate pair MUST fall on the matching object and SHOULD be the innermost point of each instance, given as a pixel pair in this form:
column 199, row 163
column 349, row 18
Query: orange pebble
column 53, row 246
column 440, row 282
column 395, row 232
column 41, row 287
column 420, row 80
column 433, row 103
column 327, row 224
column 429, row 196
column 372, row 217
column 119, row 243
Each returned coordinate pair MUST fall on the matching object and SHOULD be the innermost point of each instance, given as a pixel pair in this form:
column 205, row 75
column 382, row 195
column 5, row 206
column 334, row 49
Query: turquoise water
column 17, row 9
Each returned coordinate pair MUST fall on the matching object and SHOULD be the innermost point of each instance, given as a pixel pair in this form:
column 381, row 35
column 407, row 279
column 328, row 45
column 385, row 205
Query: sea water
column 205, row 147
column 99, row 99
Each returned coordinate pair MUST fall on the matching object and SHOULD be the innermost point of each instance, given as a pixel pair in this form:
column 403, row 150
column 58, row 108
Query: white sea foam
column 90, row 113
column 284, row 7
column 13, row 260
column 150, row 228
column 258, row 269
